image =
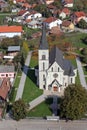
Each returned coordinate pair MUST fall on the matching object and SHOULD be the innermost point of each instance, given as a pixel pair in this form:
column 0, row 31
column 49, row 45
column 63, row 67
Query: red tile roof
column 66, row 23
column 80, row 14
column 21, row 12
column 21, row 1
column 4, row 88
column 50, row 19
column 26, row 5
column 66, row 10
column 4, row 29
column 68, row 1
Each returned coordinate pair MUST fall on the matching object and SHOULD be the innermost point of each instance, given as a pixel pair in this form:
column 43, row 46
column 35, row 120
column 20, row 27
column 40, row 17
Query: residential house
column 5, row 87
column 64, row 13
column 77, row 16
column 56, row 31
column 33, row 24
column 26, row 6
column 33, row 15
column 67, row 3
column 3, row 4
column 52, row 8
column 52, row 22
column 19, row 1
column 22, row 13
column 7, row 71
column 54, row 72
column 49, row 1
column 67, row 26
column 13, row 50
column 11, row 31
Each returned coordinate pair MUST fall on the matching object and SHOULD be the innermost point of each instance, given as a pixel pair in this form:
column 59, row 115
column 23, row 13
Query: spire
column 43, row 41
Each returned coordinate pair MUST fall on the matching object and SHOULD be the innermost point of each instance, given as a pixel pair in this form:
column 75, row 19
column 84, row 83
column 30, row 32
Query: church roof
column 43, row 41
column 57, row 55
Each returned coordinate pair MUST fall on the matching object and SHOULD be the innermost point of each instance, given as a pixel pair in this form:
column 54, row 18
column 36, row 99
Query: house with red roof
column 49, row 1
column 67, row 26
column 19, row 1
column 77, row 16
column 26, row 6
column 64, row 13
column 11, row 31
column 52, row 22
column 22, row 12
column 67, row 3
column 5, row 87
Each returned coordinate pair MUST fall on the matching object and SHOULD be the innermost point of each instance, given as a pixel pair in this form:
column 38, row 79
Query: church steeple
column 43, row 41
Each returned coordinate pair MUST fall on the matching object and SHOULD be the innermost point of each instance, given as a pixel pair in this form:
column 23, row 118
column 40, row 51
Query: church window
column 58, row 69
column 43, row 57
column 71, row 80
column 52, row 69
column 43, row 66
column 43, row 77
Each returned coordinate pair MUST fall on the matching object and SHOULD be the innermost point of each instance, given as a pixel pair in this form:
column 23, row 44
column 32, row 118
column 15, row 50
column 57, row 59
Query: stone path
column 23, row 77
column 81, row 73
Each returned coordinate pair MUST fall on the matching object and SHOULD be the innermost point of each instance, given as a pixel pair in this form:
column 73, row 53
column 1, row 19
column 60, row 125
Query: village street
column 29, row 124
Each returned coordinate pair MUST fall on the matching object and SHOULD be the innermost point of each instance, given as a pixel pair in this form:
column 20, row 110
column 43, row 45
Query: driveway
column 23, row 77
column 81, row 73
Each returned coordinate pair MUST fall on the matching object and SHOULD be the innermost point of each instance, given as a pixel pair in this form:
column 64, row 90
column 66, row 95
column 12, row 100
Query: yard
column 15, row 87
column 42, row 110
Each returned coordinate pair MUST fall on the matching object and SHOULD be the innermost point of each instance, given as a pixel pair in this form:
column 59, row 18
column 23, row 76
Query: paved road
column 81, row 73
column 23, row 77
column 42, row 125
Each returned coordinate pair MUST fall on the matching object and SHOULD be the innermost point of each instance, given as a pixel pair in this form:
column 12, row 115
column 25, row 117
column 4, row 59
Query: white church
column 54, row 73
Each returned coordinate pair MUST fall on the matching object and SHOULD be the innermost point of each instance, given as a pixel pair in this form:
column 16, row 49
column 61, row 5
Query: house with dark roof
column 54, row 72
column 13, row 50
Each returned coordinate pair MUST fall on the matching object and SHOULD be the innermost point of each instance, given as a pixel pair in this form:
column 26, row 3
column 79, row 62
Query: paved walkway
column 23, row 77
column 54, row 106
column 37, row 101
column 81, row 73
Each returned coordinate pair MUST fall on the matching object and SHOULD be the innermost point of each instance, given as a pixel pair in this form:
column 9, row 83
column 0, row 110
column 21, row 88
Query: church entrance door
column 55, row 88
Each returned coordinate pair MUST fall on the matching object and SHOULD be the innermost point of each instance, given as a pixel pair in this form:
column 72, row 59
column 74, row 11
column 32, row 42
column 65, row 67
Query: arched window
column 43, row 66
column 71, row 80
column 43, row 57
column 43, row 77
column 58, row 69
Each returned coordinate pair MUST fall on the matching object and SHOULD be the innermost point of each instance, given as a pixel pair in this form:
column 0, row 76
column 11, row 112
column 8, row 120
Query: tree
column 25, row 49
column 82, row 24
column 74, row 102
column 19, row 109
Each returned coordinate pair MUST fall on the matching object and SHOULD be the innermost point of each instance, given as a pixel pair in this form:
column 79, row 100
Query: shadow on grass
column 31, row 75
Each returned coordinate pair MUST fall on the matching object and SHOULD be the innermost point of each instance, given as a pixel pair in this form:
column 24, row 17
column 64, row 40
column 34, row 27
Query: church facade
column 54, row 73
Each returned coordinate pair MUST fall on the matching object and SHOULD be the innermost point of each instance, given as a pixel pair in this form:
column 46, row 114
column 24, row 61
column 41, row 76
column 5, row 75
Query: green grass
column 42, row 110
column 33, row 62
column 15, row 87
column 76, row 39
column 77, row 79
column 85, row 70
column 31, row 91
column 73, row 61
